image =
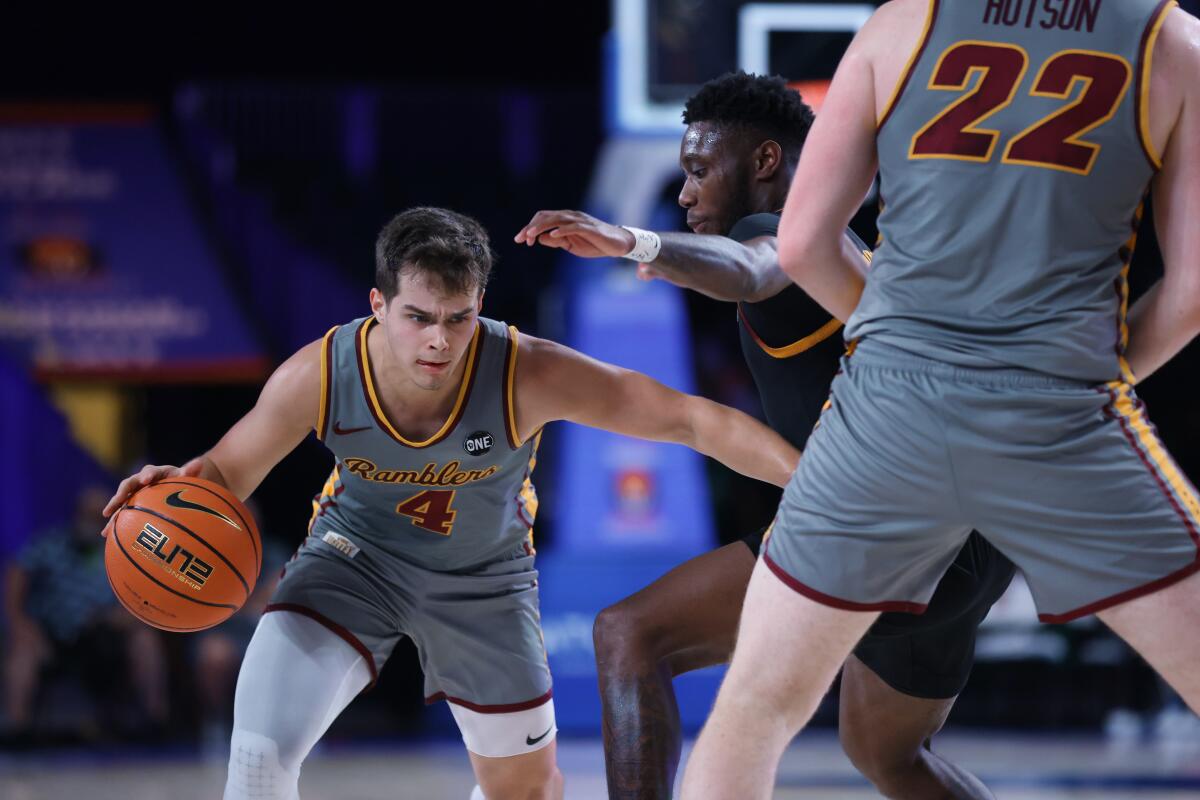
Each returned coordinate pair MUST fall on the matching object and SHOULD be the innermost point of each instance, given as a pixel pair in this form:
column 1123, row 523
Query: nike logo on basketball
column 529, row 740
column 340, row 431
column 176, row 500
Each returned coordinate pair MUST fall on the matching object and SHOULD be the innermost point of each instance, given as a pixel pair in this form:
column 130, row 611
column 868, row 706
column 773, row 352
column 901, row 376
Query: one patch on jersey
column 478, row 443
column 347, row 547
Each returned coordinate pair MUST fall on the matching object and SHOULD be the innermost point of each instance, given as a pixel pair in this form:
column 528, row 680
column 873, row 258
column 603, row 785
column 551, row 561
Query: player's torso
column 791, row 345
column 1013, row 163
column 458, row 499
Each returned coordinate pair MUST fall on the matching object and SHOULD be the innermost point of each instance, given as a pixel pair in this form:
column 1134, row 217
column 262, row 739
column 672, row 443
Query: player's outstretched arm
column 713, row 265
column 286, row 410
column 835, row 172
column 1167, row 317
column 555, row 382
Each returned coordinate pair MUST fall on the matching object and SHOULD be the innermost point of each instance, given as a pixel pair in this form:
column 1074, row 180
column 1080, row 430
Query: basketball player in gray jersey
column 990, row 385
column 424, row 527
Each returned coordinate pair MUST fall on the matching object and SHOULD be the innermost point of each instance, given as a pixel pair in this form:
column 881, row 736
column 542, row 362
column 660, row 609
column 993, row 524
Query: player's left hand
column 578, row 233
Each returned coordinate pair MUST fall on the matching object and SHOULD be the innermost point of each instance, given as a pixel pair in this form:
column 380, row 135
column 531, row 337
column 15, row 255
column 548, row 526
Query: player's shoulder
column 755, row 226
column 544, row 364
column 536, row 355
column 892, row 29
column 304, row 369
column 1177, row 48
column 898, row 15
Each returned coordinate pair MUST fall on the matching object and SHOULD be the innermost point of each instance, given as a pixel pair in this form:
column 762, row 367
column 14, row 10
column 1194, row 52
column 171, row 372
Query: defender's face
column 427, row 330
column 715, row 179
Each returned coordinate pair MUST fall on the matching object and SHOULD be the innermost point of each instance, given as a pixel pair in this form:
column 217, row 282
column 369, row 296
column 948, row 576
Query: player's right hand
column 147, row 475
column 578, row 233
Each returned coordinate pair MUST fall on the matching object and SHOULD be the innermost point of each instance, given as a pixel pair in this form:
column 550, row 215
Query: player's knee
column 256, row 769
column 622, row 632
column 536, row 781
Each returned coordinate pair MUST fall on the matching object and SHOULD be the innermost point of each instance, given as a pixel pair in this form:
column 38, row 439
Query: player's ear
column 378, row 305
column 767, row 159
column 479, row 304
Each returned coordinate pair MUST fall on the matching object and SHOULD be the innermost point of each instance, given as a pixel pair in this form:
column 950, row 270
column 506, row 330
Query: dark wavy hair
column 762, row 104
column 451, row 246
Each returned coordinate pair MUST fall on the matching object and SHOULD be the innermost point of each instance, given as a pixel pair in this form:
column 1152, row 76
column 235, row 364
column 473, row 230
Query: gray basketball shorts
column 1068, row 480
column 478, row 633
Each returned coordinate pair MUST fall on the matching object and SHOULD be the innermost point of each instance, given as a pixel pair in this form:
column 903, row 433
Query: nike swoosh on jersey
column 340, row 431
column 176, row 500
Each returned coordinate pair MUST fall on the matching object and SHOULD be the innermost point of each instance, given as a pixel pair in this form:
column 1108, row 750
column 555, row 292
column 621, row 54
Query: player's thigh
column 929, row 656
column 870, row 520
column 480, row 643
column 296, row 677
column 688, row 617
column 1074, row 485
column 1163, row 626
column 362, row 599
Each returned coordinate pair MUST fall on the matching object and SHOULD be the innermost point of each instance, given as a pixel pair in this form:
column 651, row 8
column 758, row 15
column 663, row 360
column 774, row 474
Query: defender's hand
column 149, row 474
column 578, row 233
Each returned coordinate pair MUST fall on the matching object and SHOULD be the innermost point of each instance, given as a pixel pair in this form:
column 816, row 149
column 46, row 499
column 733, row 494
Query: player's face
column 715, row 185
column 427, row 330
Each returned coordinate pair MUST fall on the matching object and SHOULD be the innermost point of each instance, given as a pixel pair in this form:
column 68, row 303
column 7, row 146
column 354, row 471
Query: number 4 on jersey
column 430, row 510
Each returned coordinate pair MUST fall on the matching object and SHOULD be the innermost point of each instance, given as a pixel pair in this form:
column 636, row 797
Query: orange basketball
column 183, row 554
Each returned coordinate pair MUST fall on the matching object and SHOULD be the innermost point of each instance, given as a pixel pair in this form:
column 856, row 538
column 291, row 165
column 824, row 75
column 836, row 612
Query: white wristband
column 646, row 245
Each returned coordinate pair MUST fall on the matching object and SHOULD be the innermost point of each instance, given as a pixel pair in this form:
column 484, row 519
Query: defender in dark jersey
column 740, row 149
column 990, row 384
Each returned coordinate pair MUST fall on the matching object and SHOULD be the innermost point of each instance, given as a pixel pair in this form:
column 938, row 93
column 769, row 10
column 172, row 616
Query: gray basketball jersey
column 461, row 498
column 1013, row 162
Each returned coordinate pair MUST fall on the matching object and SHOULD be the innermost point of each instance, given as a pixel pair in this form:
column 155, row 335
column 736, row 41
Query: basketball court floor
column 1016, row 767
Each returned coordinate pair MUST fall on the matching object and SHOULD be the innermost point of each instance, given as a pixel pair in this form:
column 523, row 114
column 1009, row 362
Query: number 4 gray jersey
column 461, row 498
column 1014, row 160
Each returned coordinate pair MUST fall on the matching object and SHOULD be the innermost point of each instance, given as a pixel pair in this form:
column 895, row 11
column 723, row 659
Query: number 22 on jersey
column 1054, row 141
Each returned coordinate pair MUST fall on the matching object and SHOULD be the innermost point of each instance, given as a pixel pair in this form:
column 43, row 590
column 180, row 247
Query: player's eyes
column 418, row 318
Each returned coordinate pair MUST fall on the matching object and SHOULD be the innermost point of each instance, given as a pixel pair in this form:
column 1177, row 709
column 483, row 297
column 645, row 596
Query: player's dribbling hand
column 578, row 233
column 147, row 475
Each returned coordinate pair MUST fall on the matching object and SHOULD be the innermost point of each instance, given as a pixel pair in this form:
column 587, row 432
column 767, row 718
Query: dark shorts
column 930, row 655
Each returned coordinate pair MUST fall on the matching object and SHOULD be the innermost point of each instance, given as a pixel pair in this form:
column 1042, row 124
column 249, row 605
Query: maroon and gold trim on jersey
column 328, row 496
column 910, row 67
column 510, row 375
column 326, row 382
column 802, row 344
column 1142, row 93
column 795, row 348
column 372, row 397
column 1121, row 284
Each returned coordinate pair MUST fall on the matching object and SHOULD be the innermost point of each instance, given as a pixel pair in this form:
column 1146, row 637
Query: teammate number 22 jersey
column 1013, row 161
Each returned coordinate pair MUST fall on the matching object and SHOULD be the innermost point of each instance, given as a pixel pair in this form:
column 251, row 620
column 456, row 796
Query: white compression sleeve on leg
column 296, row 678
